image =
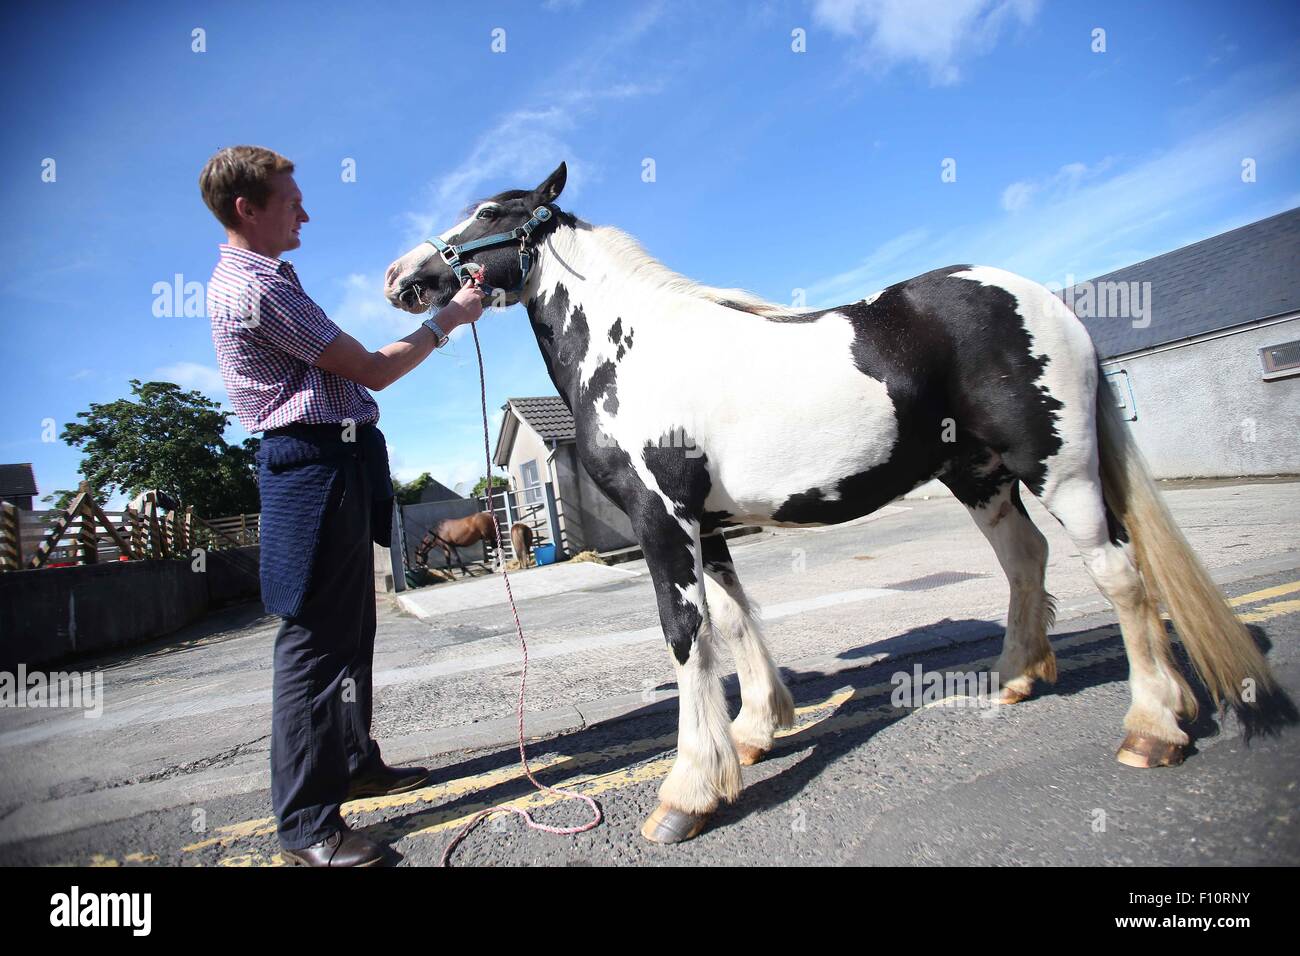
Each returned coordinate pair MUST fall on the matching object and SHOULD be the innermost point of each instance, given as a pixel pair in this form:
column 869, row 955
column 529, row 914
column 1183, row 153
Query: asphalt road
column 174, row 772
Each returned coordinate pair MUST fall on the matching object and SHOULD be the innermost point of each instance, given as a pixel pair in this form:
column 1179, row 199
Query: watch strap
column 441, row 337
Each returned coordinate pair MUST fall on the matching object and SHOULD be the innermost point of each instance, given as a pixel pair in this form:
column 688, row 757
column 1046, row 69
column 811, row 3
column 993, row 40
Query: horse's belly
column 758, row 460
column 752, row 480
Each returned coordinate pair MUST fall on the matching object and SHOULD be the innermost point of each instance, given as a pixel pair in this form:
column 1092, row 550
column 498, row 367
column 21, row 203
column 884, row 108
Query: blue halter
column 451, row 254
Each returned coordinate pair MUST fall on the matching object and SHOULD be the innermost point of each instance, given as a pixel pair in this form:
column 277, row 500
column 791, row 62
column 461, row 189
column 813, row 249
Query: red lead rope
column 523, row 679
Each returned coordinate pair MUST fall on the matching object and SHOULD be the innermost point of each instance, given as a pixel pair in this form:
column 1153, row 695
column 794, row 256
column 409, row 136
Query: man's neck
column 243, row 242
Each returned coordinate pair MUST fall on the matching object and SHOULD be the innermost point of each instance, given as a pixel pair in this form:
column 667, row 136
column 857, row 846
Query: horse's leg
column 450, row 553
column 993, row 500
column 765, row 703
column 1160, row 695
column 706, row 769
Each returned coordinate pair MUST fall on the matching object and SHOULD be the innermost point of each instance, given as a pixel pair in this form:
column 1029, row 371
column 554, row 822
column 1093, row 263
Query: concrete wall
column 527, row 447
column 54, row 613
column 418, row 519
column 1203, row 409
column 592, row 521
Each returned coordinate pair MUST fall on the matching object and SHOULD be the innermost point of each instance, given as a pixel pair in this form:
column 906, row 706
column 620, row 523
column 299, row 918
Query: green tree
column 498, row 484
column 408, row 493
column 166, row 438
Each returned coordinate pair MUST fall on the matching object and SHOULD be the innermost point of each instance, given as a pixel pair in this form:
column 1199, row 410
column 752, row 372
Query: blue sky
column 775, row 170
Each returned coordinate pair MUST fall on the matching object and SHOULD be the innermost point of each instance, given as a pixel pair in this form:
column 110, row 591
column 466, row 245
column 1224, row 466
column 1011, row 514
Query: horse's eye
column 487, row 214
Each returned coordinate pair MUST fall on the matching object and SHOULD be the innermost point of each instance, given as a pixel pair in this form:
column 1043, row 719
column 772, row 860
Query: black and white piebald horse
column 698, row 408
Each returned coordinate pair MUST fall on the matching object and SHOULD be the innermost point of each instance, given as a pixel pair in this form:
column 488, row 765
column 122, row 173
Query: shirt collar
column 254, row 261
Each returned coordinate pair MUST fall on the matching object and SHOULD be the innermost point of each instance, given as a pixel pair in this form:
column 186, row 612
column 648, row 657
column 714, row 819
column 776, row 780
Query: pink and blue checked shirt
column 268, row 334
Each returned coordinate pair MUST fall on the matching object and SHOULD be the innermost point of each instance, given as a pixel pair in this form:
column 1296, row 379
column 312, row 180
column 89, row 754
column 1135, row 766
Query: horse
column 521, row 539
column 970, row 374
column 452, row 533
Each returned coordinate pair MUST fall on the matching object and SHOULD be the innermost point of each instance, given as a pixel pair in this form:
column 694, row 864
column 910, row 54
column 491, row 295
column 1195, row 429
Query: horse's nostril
column 390, row 277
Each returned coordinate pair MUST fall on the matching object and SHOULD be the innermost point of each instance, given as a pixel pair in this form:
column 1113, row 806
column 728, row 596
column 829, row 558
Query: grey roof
column 435, row 490
column 17, row 480
column 547, row 415
column 1227, row 280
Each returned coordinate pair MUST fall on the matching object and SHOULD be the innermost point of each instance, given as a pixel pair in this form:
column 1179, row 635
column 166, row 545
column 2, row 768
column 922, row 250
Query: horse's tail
column 520, row 539
column 1224, row 654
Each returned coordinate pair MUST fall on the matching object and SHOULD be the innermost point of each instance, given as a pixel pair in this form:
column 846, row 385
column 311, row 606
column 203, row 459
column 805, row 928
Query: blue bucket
column 544, row 553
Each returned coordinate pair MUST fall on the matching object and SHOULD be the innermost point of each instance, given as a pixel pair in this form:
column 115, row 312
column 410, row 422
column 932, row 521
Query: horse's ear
column 553, row 185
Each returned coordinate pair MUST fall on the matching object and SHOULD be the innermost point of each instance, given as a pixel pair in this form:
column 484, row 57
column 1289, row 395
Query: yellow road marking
column 1270, row 611
column 1265, row 594
column 442, row 792
column 434, row 821
column 824, row 722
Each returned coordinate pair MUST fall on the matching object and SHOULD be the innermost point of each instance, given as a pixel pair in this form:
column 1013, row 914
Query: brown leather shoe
column 341, row 848
column 384, row 780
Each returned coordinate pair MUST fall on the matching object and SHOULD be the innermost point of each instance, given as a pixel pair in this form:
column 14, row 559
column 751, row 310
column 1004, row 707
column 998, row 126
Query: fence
column 535, row 507
column 83, row 533
column 508, row 507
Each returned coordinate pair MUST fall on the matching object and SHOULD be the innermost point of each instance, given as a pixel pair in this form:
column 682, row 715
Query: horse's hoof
column 749, row 755
column 1011, row 696
column 1142, row 751
column 669, row 825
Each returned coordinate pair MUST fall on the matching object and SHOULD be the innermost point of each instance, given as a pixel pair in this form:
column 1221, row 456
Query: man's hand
column 465, row 307
column 347, row 357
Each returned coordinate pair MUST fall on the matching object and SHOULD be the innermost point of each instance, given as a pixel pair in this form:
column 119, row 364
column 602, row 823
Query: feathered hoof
column 1144, row 752
column 669, row 825
column 749, row 755
column 1010, row 695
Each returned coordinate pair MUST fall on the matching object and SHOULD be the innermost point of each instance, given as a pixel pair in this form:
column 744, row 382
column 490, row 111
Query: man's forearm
column 395, row 360
column 377, row 370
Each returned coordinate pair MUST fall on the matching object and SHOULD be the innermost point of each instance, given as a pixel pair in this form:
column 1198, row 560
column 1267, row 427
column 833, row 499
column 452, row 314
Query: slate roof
column 546, row 414
column 17, row 481
column 1227, row 280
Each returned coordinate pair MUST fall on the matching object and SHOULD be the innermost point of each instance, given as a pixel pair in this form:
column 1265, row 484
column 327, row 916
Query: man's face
column 275, row 227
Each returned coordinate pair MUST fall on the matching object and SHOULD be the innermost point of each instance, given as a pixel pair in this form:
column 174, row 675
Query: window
column 532, row 483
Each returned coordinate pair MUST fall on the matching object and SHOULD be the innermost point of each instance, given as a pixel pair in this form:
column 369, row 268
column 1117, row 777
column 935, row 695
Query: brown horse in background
column 452, row 533
column 521, row 537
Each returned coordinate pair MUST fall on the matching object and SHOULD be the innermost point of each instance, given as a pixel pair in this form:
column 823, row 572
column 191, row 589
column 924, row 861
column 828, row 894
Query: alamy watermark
column 981, row 690
column 1107, row 300
column 55, row 689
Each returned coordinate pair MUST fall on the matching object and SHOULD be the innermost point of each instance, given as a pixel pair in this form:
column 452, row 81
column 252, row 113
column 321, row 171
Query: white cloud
column 939, row 35
column 1060, row 184
column 449, row 471
column 1084, row 221
column 524, row 145
column 1016, row 196
column 195, row 375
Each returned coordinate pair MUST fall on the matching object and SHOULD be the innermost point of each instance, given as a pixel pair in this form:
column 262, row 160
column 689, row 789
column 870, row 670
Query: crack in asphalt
column 226, row 756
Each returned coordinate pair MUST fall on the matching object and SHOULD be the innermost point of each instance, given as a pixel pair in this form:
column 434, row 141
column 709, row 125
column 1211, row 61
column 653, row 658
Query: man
column 326, row 493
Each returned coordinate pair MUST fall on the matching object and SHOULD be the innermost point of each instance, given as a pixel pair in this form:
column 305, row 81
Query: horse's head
column 422, row 277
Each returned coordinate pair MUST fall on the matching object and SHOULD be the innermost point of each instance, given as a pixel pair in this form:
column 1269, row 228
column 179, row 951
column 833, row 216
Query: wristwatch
column 440, row 336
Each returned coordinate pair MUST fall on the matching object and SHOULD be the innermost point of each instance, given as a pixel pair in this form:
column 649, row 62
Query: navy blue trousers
column 320, row 721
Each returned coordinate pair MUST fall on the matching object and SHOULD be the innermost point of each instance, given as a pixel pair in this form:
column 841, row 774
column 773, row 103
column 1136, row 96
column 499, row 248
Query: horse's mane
column 643, row 266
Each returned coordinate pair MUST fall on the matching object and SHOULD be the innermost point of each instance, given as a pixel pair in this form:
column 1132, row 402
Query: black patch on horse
column 667, row 545
column 955, row 358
